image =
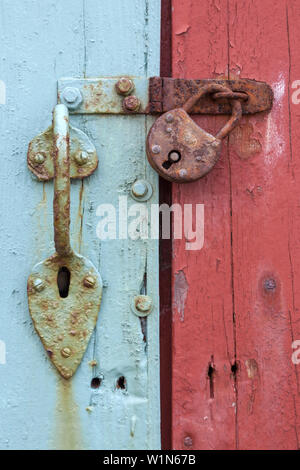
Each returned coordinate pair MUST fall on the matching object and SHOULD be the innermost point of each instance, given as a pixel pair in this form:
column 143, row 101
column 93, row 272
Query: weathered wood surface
column 39, row 409
column 234, row 384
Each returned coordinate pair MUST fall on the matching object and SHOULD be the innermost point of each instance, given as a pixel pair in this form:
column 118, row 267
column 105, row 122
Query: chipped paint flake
column 180, row 293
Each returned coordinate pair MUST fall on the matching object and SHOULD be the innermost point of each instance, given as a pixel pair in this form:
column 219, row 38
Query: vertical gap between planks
column 234, row 375
column 165, row 256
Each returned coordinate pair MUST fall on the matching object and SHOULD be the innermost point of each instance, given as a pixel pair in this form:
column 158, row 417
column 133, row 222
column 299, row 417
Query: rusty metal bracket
column 83, row 156
column 64, row 291
column 138, row 95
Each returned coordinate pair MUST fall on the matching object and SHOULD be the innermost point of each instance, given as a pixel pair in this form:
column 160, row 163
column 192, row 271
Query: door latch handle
column 64, row 313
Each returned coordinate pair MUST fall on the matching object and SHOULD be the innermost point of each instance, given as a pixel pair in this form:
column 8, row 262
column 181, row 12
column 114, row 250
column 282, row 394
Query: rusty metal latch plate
column 65, row 290
column 65, row 325
column 157, row 95
column 83, row 156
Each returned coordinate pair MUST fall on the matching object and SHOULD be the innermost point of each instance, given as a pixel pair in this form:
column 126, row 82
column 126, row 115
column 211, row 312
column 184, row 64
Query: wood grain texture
column 203, row 333
column 38, row 409
column 242, row 297
column 265, row 227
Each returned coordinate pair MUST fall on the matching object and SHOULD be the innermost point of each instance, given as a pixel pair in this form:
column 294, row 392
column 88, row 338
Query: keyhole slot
column 173, row 157
column 63, row 281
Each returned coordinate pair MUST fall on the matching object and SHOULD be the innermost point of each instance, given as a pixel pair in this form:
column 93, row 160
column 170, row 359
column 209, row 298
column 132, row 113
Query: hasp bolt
column 38, row 285
column 65, row 352
column 89, row 281
column 81, row 158
column 124, row 86
column 71, row 97
column 39, row 158
column 131, row 103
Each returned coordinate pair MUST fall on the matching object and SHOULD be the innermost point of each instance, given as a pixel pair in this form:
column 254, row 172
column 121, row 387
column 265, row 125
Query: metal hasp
column 64, row 317
column 178, row 149
column 139, row 95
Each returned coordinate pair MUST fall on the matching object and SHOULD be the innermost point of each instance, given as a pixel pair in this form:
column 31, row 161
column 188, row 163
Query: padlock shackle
column 236, row 115
column 236, row 107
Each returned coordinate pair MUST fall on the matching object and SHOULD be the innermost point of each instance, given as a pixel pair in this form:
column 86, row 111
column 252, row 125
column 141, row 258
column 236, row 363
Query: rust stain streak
column 68, row 434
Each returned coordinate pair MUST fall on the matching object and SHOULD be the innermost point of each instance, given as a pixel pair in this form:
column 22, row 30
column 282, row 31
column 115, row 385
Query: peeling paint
column 67, row 434
column 180, row 293
column 244, row 142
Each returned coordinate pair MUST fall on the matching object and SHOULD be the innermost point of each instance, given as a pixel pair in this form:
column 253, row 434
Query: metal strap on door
column 178, row 149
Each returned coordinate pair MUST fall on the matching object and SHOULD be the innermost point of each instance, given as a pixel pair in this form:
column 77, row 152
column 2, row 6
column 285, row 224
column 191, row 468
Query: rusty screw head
column 124, row 86
column 169, row 117
column 39, row 158
column 65, row 352
column 71, row 97
column 131, row 103
column 89, row 281
column 81, row 158
column 142, row 305
column 141, row 190
column 38, row 285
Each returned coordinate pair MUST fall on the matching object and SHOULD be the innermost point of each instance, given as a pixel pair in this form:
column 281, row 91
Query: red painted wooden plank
column 240, row 292
column 203, row 348
column 266, row 224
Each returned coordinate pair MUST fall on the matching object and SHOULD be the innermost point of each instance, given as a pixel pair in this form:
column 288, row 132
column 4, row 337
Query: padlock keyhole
column 173, row 157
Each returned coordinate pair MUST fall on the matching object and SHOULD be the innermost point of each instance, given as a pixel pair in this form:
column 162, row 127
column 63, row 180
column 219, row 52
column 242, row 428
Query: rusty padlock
column 178, row 149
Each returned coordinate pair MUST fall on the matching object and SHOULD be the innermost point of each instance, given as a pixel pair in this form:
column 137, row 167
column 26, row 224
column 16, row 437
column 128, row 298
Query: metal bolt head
column 155, row 149
column 89, row 281
column 65, row 352
column 182, row 172
column 81, row 158
column 71, row 97
column 139, row 188
column 38, row 285
column 124, row 86
column 131, row 103
column 143, row 303
column 39, row 158
column 169, row 118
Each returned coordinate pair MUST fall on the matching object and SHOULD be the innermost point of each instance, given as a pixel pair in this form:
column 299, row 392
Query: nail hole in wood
column 95, row 382
column 234, row 368
column 210, row 374
column 121, row 382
